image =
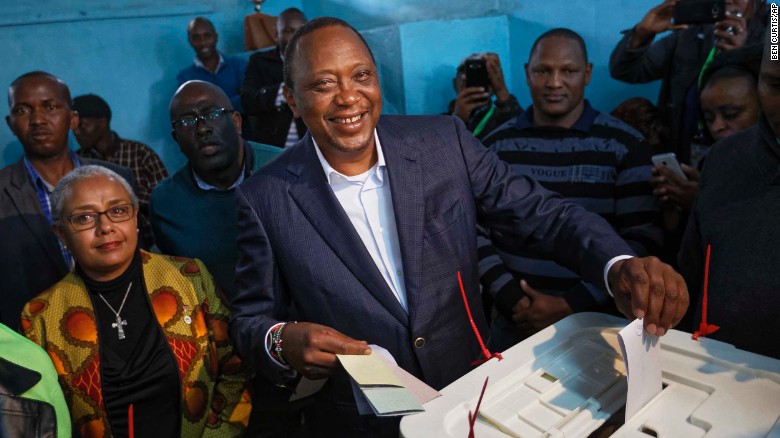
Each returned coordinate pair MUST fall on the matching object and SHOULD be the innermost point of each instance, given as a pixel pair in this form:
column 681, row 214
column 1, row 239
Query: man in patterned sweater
column 99, row 142
column 588, row 157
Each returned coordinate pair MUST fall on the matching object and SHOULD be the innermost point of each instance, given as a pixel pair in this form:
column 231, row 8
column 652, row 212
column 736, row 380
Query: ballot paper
column 642, row 357
column 383, row 388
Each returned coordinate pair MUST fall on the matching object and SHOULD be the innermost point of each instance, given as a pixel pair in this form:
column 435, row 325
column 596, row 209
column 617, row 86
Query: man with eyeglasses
column 193, row 212
column 31, row 257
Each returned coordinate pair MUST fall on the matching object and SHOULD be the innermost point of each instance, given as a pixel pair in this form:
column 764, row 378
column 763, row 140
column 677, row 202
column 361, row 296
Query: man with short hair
column 98, row 141
column 31, row 257
column 211, row 65
column 270, row 119
column 362, row 227
column 193, row 212
column 591, row 159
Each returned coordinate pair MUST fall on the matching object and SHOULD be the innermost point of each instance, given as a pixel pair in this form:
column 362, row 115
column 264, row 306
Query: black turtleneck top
column 139, row 369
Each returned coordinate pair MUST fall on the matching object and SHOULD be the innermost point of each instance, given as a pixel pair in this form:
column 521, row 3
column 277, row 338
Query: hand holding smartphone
column 477, row 74
column 669, row 160
column 699, row 11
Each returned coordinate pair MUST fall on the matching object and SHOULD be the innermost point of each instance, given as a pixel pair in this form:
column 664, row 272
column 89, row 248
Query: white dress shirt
column 368, row 202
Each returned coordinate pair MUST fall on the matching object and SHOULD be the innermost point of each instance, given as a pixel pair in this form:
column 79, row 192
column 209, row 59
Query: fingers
column 473, row 95
column 522, row 303
column 531, row 292
column 683, row 302
column 522, row 316
column 311, row 348
column 691, row 172
column 671, row 301
column 655, row 293
column 331, row 341
column 658, row 293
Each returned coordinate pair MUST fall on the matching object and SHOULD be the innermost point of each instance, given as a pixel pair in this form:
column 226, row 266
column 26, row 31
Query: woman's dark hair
column 745, row 61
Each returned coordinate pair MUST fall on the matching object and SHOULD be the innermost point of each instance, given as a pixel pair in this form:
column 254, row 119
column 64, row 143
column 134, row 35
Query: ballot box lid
column 569, row 379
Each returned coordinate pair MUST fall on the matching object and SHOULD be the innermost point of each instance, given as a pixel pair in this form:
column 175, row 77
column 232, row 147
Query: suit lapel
column 25, row 199
column 406, row 185
column 316, row 200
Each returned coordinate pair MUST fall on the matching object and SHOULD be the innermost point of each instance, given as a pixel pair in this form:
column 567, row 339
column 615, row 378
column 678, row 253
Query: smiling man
column 211, row 65
column 359, row 230
column 31, row 257
column 590, row 158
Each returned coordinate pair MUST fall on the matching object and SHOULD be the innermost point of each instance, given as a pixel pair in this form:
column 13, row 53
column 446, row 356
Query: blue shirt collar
column 526, row 119
column 38, row 180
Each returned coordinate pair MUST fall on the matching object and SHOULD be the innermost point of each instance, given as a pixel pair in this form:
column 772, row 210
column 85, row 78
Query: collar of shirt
column 335, row 177
column 526, row 119
column 38, row 180
column 221, row 63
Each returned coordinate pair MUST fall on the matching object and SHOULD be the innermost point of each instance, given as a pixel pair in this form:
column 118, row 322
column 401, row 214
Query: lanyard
column 483, row 122
column 706, row 65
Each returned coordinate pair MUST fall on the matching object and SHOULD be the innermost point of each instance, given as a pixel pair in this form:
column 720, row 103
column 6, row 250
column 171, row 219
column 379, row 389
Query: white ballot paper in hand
column 383, row 388
column 642, row 356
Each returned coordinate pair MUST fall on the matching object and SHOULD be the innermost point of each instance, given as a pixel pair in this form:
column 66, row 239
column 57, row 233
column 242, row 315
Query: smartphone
column 476, row 73
column 669, row 160
column 699, row 11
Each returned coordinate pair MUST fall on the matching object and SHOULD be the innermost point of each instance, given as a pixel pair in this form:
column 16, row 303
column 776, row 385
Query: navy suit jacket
column 298, row 249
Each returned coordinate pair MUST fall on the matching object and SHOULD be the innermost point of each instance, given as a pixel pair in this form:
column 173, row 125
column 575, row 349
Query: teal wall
column 129, row 51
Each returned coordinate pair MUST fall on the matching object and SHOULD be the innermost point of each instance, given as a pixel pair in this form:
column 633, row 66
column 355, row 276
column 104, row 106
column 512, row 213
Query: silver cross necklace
column 119, row 321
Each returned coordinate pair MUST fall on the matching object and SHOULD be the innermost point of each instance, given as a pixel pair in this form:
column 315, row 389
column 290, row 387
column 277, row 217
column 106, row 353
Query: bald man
column 193, row 212
column 31, row 256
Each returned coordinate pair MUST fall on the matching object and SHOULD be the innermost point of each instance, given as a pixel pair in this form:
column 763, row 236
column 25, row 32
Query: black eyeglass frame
column 133, row 209
column 190, row 122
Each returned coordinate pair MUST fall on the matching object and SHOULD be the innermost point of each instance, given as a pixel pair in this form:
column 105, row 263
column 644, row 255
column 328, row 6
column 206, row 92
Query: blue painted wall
column 129, row 51
column 129, row 54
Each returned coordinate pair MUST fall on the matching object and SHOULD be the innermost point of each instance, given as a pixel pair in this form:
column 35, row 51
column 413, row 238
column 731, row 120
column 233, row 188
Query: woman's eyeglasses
column 90, row 219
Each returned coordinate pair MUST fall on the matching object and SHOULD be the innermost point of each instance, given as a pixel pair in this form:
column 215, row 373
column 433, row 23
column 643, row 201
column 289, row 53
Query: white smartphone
column 669, row 160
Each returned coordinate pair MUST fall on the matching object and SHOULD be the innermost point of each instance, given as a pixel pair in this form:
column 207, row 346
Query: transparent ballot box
column 569, row 380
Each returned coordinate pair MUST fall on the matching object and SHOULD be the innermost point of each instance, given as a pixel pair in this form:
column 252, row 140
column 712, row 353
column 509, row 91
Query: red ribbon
column 485, row 352
column 130, row 425
column 473, row 417
column 704, row 328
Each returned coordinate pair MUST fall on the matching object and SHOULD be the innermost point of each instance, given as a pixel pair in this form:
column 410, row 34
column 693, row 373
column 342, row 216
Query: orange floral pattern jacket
column 214, row 400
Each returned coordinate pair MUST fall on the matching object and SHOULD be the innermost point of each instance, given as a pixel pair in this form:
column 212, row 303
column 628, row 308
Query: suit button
column 419, row 342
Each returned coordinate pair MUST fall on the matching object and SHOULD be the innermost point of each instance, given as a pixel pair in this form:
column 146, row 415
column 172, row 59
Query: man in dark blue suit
column 359, row 230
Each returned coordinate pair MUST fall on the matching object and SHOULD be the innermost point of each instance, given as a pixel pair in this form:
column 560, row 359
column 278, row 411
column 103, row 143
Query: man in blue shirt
column 31, row 257
column 210, row 65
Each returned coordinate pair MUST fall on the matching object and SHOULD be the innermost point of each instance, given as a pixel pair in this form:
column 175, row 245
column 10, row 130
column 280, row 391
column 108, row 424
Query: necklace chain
column 123, row 300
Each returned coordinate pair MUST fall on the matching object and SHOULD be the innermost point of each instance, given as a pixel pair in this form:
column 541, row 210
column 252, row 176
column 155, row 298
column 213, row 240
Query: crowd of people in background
column 305, row 223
